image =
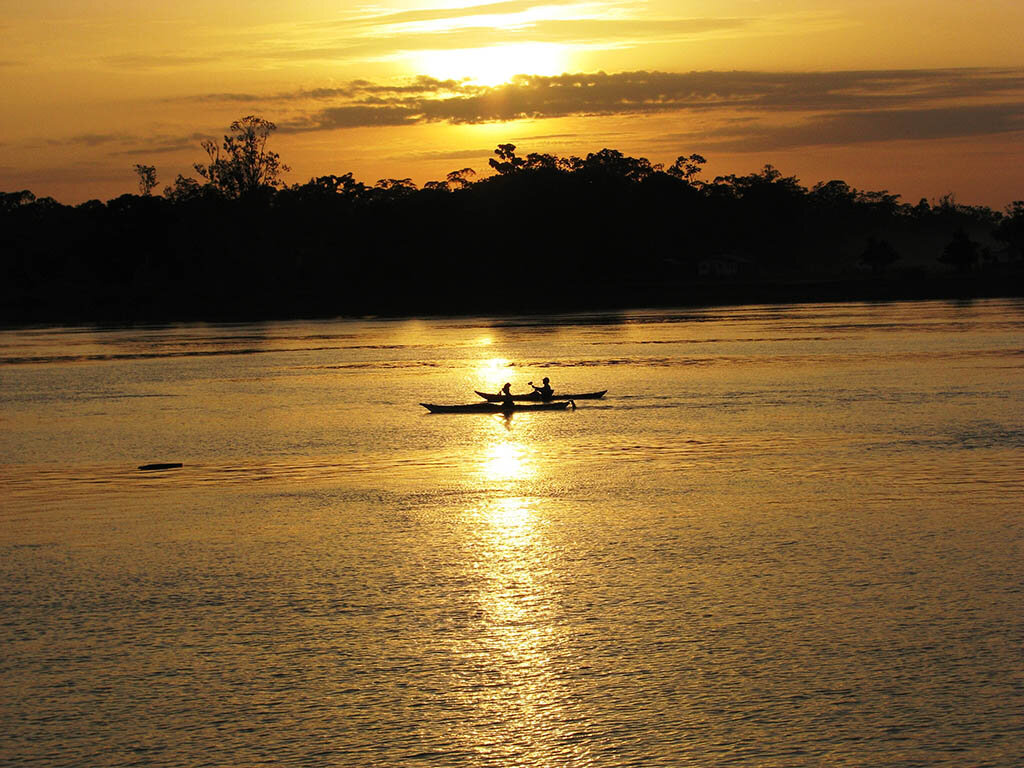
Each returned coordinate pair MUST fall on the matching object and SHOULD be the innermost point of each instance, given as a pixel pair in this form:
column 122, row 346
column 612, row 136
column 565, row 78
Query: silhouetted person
column 507, row 403
column 545, row 391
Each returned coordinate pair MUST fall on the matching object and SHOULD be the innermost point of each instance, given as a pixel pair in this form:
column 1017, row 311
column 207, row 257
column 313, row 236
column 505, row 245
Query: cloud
column 509, row 7
column 586, row 32
column 223, row 98
column 157, row 61
column 375, row 36
column 611, row 32
column 728, row 111
column 595, row 31
column 126, row 144
column 880, row 125
column 358, row 116
column 458, row 154
column 89, row 140
column 844, row 105
column 161, row 145
column 559, row 21
column 422, row 84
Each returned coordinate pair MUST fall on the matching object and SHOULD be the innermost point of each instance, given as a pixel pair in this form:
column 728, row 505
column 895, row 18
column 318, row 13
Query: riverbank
column 557, row 294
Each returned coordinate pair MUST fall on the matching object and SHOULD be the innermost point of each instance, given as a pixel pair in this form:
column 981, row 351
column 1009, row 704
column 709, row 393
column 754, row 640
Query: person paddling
column 545, row 391
column 507, row 402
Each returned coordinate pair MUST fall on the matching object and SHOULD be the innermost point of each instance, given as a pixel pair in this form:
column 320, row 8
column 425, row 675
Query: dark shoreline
column 543, row 235
column 1005, row 282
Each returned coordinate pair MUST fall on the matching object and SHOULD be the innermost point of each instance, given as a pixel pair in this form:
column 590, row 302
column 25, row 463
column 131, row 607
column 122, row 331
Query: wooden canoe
column 534, row 397
column 558, row 405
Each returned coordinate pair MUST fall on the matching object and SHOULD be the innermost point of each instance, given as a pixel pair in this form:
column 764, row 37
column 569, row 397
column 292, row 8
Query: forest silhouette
column 542, row 233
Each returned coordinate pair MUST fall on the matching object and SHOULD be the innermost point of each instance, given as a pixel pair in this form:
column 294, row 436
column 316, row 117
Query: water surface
column 788, row 536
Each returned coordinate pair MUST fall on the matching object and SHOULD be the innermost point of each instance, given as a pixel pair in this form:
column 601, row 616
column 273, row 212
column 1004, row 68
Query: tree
column 147, row 178
column 538, row 161
column 399, row 186
column 460, row 179
column 330, row 186
column 687, row 168
column 507, row 161
column 393, row 189
column 12, row 200
column 961, row 252
column 612, row 163
column 882, row 200
column 185, row 188
column 835, row 192
column 878, row 254
column 1011, row 228
column 242, row 164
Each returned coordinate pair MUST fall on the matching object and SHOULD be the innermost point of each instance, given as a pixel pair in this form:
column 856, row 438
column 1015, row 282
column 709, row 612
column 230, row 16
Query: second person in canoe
column 545, row 391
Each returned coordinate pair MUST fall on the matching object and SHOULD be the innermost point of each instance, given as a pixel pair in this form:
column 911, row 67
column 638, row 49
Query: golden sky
column 920, row 97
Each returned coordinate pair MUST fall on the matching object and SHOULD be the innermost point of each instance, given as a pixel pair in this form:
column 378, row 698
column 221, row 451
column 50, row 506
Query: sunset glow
column 418, row 89
column 495, row 65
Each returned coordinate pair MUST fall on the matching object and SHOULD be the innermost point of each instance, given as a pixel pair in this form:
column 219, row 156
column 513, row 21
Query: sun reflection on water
column 491, row 373
column 518, row 631
column 507, row 461
column 511, row 523
column 515, row 638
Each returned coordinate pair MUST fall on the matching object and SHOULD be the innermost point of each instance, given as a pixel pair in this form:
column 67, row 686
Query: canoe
column 535, row 397
column 559, row 405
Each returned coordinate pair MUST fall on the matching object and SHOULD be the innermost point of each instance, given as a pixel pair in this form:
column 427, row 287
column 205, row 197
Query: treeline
column 542, row 233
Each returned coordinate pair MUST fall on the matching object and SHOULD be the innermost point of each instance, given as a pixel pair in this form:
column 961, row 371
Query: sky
column 923, row 98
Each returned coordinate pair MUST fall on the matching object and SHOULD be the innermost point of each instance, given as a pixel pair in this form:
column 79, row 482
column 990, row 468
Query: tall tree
column 460, row 179
column 687, row 168
column 507, row 161
column 147, row 178
column 242, row 164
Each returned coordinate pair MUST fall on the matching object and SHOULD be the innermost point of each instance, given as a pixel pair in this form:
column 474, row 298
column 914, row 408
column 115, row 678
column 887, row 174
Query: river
column 787, row 536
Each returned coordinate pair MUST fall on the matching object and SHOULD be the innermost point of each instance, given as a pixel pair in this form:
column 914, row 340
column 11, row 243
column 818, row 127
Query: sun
column 495, row 64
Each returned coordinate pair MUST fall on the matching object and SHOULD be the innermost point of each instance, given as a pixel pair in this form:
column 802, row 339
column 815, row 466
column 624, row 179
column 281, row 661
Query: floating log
column 169, row 465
